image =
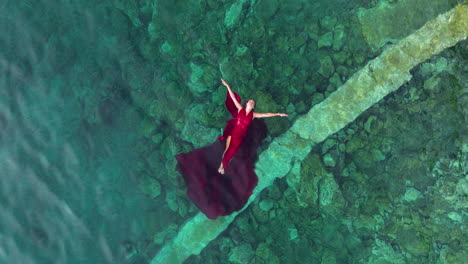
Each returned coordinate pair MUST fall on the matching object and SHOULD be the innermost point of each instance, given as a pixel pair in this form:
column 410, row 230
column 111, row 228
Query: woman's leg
column 228, row 142
column 230, row 152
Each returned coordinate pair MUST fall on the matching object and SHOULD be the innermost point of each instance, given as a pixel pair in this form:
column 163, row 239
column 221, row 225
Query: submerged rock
column 328, row 144
column 434, row 67
column 433, row 84
column 151, row 187
column 304, row 180
column 411, row 194
column 129, row 8
column 414, row 242
column 196, row 83
column 380, row 77
column 331, row 199
column 455, row 217
column 234, row 13
column 266, row 254
column 327, row 23
column 326, row 40
column 329, row 161
column 393, row 20
column 339, row 37
column 238, row 66
column 241, row 254
column 372, row 125
column 160, row 237
column 328, row 257
column 171, row 200
column 266, row 205
column 314, row 186
column 147, row 127
column 265, row 9
column 326, row 67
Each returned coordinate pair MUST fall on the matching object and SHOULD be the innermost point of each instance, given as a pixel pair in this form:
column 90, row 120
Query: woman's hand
column 225, row 83
column 282, row 114
column 233, row 97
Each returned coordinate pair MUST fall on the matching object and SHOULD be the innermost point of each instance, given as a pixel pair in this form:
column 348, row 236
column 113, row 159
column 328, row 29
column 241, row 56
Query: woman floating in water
column 236, row 129
column 219, row 190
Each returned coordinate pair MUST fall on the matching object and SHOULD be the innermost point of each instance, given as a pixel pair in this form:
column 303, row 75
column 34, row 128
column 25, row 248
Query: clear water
column 93, row 102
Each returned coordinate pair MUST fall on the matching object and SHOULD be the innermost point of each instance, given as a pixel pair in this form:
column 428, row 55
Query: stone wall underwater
column 96, row 98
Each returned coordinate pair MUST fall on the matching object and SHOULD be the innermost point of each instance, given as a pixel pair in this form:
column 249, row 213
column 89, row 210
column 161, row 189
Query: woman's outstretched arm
column 233, row 97
column 260, row 115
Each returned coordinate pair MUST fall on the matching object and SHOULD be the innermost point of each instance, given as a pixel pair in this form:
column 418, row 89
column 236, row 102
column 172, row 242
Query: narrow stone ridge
column 394, row 20
column 378, row 78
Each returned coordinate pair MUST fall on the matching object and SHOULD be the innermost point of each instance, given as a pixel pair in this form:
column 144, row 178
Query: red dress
column 218, row 194
column 237, row 131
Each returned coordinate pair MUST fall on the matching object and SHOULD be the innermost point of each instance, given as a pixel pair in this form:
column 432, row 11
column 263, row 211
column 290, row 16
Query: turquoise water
column 96, row 98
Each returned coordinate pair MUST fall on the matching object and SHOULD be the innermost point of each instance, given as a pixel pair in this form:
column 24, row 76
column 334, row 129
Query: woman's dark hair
column 244, row 104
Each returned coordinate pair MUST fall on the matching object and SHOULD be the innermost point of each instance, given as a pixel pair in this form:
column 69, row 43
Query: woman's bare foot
column 221, row 169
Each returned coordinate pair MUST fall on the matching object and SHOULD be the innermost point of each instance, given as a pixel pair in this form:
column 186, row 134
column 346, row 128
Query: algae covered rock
column 168, row 99
column 414, row 242
column 326, row 67
column 317, row 98
column 328, row 144
column 433, row 84
column 373, row 125
column 434, row 66
column 328, row 160
column 339, row 37
column 334, row 82
column 383, row 252
column 239, row 66
column 196, row 83
column 171, row 201
column 260, row 214
column 266, row 254
column 204, row 134
column 151, row 187
column 241, row 254
column 130, row 8
column 176, row 15
column 314, row 186
column 411, row 194
column 198, row 122
column 169, row 232
column 148, row 126
column 234, row 13
column 312, row 29
column 326, row 40
column 328, row 257
column 304, row 179
column 331, row 199
column 157, row 139
column 266, row 205
column 393, row 20
column 384, row 75
column 327, row 23
column 265, row 9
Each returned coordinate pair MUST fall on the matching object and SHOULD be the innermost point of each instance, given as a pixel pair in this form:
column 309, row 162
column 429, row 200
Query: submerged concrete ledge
column 378, row 78
column 394, row 20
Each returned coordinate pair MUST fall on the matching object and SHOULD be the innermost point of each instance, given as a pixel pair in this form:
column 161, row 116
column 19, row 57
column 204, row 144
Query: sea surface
column 96, row 98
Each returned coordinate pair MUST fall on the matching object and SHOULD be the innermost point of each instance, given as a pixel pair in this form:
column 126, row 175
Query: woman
column 216, row 189
column 237, row 129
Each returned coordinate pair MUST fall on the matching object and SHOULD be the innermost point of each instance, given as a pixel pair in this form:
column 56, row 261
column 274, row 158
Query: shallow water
column 96, row 98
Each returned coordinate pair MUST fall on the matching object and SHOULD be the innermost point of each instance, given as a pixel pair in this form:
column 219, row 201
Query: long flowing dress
column 218, row 194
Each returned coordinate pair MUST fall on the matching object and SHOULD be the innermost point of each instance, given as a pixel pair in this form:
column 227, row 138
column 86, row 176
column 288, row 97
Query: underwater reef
column 312, row 184
column 369, row 167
